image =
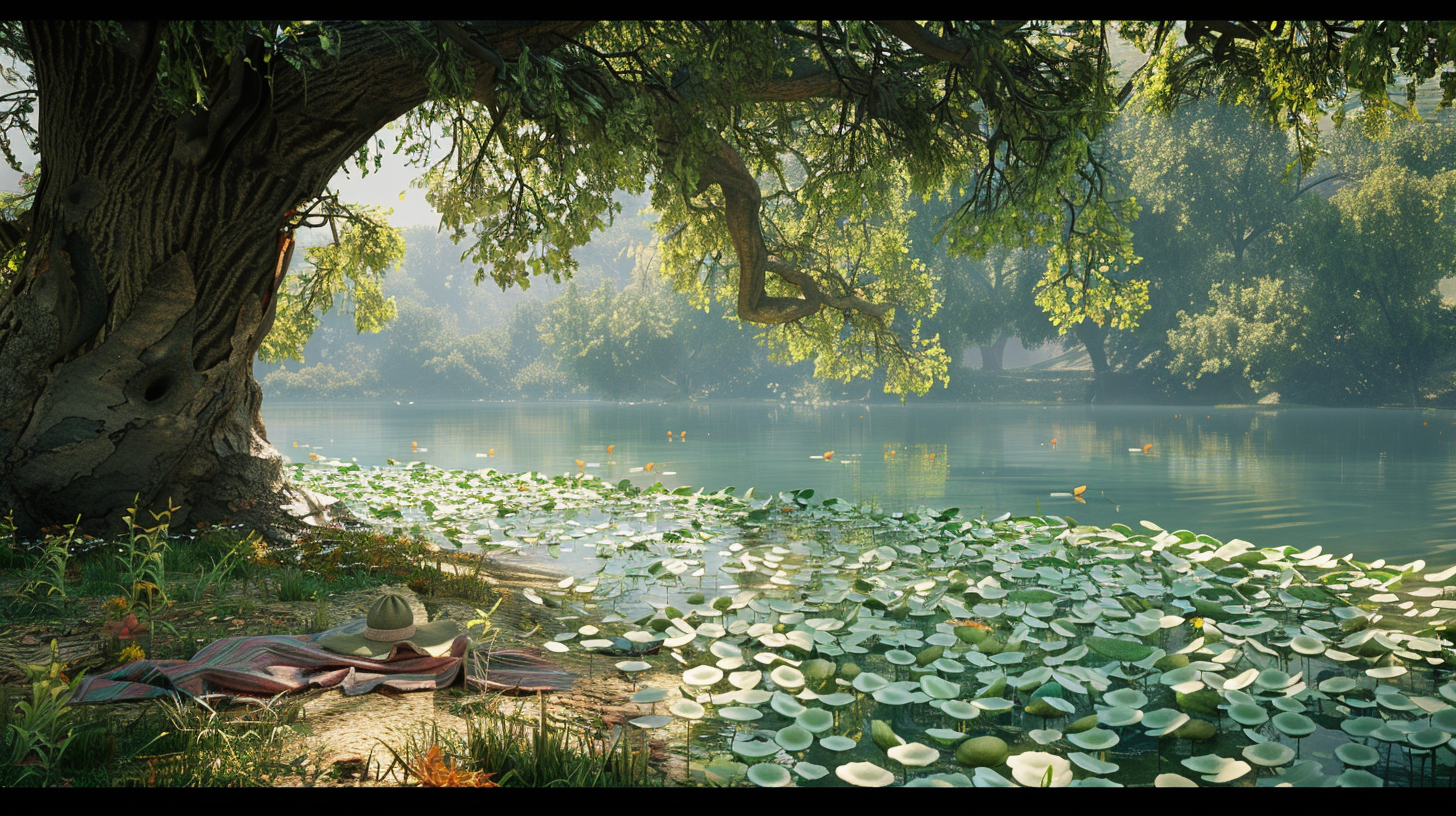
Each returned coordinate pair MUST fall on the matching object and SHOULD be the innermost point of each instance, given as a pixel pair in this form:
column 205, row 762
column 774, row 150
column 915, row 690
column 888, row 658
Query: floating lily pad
column 891, row 695
column 945, row 736
column 1268, row 754
column 1129, row 698
column 868, row 682
column 786, row 705
column 1294, row 725
column 815, row 720
column 794, row 738
column 1122, row 651
column 1119, row 716
column 1096, row 739
column 1217, row 769
column 1248, row 714
column 913, row 754
column 938, row 688
column 701, row 675
column 687, row 709
column 960, row 709
column 1091, row 764
column 837, row 743
column 864, row 774
column 981, row 752
column 743, row 679
column 809, row 770
column 1163, row 721
column 740, row 713
column 1355, row 778
column 951, row 780
column 1360, row 756
column 649, row 695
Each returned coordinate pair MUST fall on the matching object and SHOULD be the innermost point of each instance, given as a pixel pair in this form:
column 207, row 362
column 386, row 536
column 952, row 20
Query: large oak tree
column 151, row 262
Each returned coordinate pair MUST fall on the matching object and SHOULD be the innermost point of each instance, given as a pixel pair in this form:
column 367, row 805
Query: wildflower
column 131, row 654
column 126, row 628
column 974, row 624
column 115, row 608
column 1196, row 623
column 434, row 771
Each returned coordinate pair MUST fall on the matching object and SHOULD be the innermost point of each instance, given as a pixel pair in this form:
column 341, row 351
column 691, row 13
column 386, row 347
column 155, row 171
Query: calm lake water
column 1376, row 483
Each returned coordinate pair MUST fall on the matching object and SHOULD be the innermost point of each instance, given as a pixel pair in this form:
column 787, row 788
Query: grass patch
column 519, row 752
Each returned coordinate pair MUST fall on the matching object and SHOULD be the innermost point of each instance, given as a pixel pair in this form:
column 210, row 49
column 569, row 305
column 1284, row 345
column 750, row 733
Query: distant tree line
column 616, row 331
column 1321, row 286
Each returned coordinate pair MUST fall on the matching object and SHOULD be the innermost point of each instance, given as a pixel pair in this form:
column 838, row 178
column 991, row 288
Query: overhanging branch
column 742, row 201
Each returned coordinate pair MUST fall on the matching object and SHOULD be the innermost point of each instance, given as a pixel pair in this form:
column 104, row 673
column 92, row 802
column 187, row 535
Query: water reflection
column 1375, row 482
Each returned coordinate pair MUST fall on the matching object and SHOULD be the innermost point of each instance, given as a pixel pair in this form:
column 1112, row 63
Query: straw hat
column 391, row 621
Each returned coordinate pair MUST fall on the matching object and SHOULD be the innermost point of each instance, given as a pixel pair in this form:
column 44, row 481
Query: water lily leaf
column 794, row 738
column 1122, row 651
column 981, row 752
column 769, row 775
column 864, row 774
column 810, row 771
column 1268, row 754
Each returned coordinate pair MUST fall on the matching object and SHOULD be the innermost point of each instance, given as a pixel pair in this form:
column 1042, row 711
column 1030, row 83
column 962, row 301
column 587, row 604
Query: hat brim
column 434, row 639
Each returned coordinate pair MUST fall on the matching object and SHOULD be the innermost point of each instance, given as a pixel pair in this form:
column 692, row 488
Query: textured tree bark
column 127, row 341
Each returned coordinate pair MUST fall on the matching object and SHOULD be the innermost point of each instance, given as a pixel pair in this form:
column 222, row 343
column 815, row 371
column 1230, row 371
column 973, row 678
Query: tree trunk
column 1093, row 337
column 992, row 355
column 127, row 339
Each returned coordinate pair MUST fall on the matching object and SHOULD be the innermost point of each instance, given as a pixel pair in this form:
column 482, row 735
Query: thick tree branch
column 741, row 210
column 946, row 49
column 818, row 84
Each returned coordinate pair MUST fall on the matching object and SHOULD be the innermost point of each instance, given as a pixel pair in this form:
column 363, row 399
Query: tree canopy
column 781, row 158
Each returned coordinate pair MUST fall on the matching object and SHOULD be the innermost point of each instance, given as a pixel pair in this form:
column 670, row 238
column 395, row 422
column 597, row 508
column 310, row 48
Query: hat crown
column 391, row 611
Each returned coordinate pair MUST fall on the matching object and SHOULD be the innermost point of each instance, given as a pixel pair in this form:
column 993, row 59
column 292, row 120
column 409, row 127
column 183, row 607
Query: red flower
column 126, row 628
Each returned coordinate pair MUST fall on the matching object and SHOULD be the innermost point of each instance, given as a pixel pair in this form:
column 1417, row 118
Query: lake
column 1374, row 482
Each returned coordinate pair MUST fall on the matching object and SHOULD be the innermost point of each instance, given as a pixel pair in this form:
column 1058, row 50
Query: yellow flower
column 1196, row 623
column 115, row 608
column 132, row 653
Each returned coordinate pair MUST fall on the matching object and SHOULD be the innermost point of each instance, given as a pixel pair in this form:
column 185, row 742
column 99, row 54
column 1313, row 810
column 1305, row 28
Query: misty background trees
column 1321, row 288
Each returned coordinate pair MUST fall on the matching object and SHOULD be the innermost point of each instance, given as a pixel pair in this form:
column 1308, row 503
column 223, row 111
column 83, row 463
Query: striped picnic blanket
column 267, row 665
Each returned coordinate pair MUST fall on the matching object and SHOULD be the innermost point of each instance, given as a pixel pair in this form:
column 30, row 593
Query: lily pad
column 1122, row 651
column 702, row 675
column 810, row 771
column 1096, row 739
column 740, row 713
column 1268, row 754
column 794, row 738
column 815, row 720
column 913, row 754
column 864, row 774
column 1091, row 764
column 1360, row 756
column 981, row 752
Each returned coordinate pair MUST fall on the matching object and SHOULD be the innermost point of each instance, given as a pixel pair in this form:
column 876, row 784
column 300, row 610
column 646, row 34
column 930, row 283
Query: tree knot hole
column 158, row 388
